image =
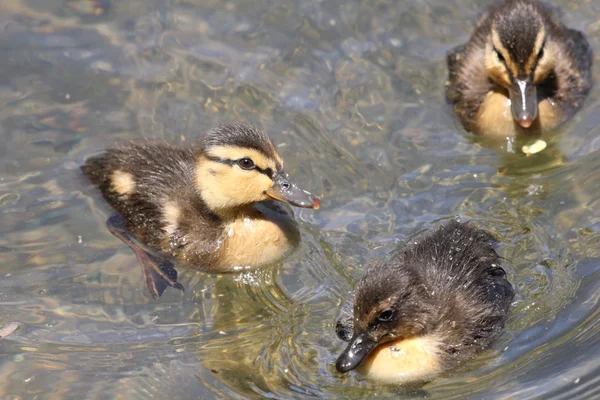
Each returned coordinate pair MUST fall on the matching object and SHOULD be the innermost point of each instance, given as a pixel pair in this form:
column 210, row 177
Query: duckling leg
column 159, row 272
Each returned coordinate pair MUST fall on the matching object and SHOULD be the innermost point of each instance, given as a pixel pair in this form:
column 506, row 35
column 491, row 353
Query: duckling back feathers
column 138, row 179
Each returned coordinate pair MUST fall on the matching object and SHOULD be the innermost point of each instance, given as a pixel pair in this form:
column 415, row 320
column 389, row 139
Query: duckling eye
column 541, row 53
column 246, row 163
column 386, row 315
column 499, row 55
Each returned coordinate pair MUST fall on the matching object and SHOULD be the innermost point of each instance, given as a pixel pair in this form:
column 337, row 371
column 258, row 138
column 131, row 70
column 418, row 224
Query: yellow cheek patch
column 235, row 153
column 495, row 69
column 410, row 360
column 246, row 188
column 499, row 75
column 224, row 186
column 122, row 183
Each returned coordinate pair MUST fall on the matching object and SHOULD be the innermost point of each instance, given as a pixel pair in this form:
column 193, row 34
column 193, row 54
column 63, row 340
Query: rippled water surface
column 352, row 93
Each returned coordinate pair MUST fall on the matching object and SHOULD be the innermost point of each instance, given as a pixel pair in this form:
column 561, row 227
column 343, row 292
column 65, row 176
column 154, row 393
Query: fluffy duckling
column 207, row 206
column 522, row 71
column 428, row 309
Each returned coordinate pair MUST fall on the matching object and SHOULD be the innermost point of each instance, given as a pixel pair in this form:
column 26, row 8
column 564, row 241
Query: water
column 352, row 93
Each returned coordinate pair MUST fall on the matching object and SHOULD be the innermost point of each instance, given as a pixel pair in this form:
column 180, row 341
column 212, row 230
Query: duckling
column 428, row 309
column 211, row 206
column 521, row 72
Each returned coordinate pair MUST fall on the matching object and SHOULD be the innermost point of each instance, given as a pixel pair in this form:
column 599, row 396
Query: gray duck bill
column 360, row 346
column 524, row 102
column 286, row 190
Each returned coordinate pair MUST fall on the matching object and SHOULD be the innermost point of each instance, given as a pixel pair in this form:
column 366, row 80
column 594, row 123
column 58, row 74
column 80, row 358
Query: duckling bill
column 212, row 206
column 521, row 72
column 428, row 309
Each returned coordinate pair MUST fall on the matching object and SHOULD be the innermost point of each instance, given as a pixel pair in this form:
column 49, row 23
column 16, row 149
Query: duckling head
column 238, row 166
column 520, row 54
column 390, row 305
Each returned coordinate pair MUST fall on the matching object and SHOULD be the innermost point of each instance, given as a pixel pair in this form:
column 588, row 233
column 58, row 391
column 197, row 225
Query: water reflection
column 352, row 91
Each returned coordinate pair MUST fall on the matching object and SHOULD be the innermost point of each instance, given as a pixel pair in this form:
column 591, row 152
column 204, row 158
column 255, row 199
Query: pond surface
column 352, row 94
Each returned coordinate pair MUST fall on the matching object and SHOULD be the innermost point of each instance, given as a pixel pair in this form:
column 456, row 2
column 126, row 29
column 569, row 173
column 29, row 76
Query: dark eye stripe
column 500, row 56
column 540, row 53
column 267, row 171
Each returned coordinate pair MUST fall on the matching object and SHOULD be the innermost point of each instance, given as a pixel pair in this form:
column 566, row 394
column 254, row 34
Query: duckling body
column 521, row 72
column 207, row 206
column 428, row 309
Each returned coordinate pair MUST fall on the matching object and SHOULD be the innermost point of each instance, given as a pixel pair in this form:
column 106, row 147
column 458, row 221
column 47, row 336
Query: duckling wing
column 580, row 52
column 139, row 179
column 453, row 56
column 485, row 308
column 572, row 72
column 464, row 264
column 453, row 60
column 468, row 82
column 499, row 289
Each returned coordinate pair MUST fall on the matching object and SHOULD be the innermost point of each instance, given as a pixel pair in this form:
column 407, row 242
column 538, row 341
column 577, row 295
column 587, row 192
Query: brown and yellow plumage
column 427, row 309
column 207, row 206
column 521, row 72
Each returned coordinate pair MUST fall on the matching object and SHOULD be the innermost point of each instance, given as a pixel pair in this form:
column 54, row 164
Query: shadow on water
column 352, row 94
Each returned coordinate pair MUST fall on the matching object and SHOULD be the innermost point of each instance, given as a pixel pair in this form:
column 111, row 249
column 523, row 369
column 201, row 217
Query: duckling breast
column 495, row 117
column 401, row 361
column 258, row 237
column 550, row 116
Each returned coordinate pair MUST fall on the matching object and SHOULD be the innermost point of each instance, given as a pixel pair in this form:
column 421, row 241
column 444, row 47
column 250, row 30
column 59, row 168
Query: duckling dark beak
column 286, row 190
column 523, row 99
column 360, row 346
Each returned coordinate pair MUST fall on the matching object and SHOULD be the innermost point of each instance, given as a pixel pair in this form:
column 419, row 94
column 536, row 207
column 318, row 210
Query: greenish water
column 352, row 93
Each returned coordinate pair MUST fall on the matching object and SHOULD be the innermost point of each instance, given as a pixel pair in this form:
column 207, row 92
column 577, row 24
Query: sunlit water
column 352, row 93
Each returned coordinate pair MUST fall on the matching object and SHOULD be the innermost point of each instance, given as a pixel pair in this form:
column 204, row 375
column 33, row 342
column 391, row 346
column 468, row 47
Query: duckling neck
column 256, row 235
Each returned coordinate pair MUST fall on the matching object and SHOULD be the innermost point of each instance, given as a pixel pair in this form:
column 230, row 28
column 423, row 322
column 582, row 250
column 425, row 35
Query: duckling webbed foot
column 159, row 272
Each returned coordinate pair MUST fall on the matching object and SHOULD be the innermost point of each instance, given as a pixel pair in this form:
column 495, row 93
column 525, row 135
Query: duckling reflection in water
column 521, row 72
column 428, row 309
column 212, row 206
